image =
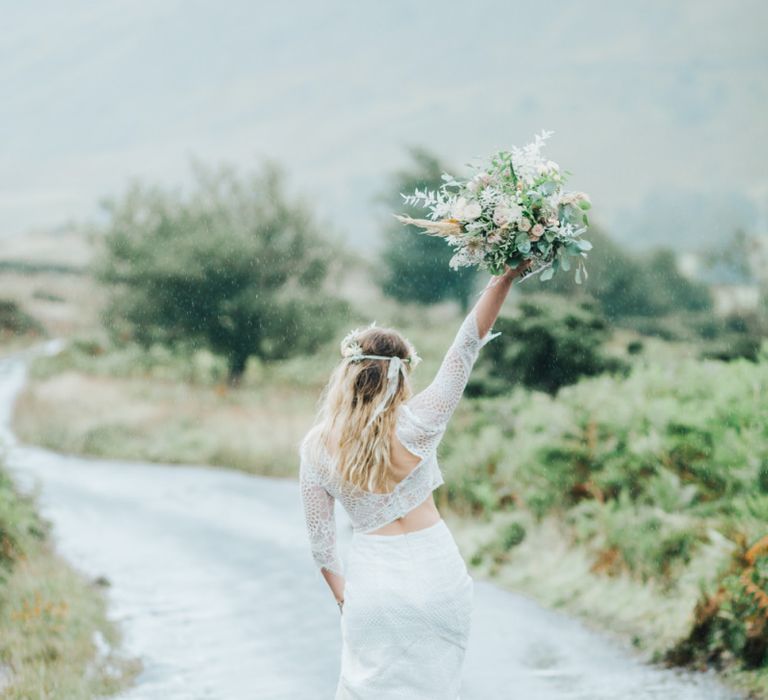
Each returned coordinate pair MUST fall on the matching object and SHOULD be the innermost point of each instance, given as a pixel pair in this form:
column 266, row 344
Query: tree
column 416, row 265
column 234, row 266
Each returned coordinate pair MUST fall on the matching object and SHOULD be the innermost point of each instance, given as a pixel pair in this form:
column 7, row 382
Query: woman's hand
column 512, row 273
column 337, row 584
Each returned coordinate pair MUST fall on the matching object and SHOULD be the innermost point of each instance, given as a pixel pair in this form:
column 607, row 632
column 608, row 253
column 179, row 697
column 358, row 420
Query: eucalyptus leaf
column 524, row 246
column 583, row 244
column 547, row 274
column 547, row 188
column 585, row 205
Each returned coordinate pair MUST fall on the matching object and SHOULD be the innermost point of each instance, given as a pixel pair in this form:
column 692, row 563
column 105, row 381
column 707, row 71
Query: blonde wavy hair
column 349, row 400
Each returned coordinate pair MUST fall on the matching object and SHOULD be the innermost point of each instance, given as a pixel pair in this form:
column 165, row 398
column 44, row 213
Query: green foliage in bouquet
column 234, row 267
column 548, row 344
column 413, row 268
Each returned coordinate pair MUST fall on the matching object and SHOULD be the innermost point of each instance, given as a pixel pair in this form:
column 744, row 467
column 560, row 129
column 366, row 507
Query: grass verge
column 55, row 639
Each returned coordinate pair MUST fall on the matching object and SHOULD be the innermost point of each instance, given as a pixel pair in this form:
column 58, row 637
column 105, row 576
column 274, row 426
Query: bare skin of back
column 423, row 515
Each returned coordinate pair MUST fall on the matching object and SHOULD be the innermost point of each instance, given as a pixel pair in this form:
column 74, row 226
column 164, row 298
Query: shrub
column 731, row 623
column 19, row 525
column 512, row 535
column 548, row 344
column 14, row 321
column 636, row 463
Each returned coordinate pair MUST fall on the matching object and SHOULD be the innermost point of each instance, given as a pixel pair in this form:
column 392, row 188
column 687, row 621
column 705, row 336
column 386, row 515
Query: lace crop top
column 420, row 426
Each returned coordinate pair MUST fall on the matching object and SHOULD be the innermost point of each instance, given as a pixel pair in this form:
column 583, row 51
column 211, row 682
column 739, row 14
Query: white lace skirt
column 407, row 613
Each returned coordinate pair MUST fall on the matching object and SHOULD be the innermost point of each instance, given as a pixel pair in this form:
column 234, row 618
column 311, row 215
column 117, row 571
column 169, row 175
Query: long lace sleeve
column 319, row 515
column 435, row 405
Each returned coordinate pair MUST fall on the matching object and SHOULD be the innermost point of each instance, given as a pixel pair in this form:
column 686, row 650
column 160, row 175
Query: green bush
column 19, row 525
column 636, row 463
column 646, row 541
column 512, row 535
column 14, row 321
column 548, row 344
column 731, row 622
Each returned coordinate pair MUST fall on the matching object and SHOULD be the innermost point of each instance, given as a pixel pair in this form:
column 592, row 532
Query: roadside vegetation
column 55, row 638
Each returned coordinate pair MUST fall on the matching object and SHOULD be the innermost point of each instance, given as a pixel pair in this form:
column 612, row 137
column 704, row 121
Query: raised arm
column 489, row 304
column 436, row 404
column 318, row 507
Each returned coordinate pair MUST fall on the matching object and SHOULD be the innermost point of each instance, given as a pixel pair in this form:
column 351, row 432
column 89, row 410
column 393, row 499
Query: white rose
column 457, row 211
column 500, row 216
column 524, row 224
column 515, row 212
column 505, row 214
column 472, row 211
column 537, row 231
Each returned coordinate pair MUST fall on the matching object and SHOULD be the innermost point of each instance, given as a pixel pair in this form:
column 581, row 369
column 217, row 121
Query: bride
column 405, row 594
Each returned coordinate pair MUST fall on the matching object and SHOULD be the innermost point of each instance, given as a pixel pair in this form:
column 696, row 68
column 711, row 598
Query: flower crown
column 352, row 350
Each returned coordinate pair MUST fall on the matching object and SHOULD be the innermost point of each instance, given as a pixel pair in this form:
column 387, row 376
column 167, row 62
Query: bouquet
column 513, row 209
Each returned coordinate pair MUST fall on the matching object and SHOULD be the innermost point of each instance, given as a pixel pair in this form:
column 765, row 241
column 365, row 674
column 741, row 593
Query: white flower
column 489, row 196
column 472, row 211
column 442, row 209
column 524, row 224
column 350, row 348
column 457, row 210
column 501, row 216
column 536, row 232
column 506, row 213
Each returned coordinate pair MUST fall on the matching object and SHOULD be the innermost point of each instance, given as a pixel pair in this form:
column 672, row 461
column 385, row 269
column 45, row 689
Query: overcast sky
column 658, row 107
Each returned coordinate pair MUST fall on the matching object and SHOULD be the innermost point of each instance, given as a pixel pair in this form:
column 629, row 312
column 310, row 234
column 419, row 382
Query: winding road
column 215, row 590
